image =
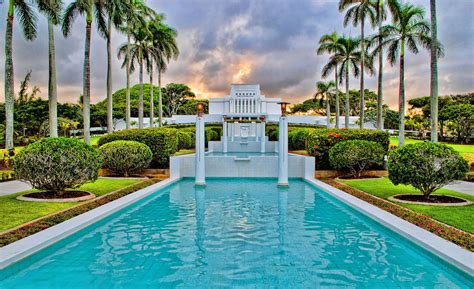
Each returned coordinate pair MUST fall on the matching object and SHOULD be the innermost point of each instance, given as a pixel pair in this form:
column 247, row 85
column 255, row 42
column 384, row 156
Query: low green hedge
column 162, row 141
column 186, row 139
column 125, row 157
column 320, row 141
column 297, row 138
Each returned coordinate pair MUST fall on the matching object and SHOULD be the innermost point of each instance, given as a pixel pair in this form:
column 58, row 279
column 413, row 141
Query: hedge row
column 320, row 141
column 163, row 142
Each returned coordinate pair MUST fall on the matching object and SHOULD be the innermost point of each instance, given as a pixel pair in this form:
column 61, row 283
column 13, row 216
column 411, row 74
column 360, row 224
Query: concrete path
column 462, row 187
column 13, row 187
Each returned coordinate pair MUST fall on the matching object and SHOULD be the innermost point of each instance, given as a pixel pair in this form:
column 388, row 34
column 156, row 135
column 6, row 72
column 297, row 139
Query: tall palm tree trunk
column 380, row 74
column 434, row 73
column 338, row 125
column 401, row 100
column 346, row 124
column 362, row 64
column 127, row 94
column 160, row 100
column 87, row 81
column 9, row 82
column 110, row 116
column 152, row 104
column 328, row 110
column 140, row 98
column 52, row 88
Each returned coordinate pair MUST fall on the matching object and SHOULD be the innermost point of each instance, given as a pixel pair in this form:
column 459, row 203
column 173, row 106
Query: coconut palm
column 92, row 9
column 323, row 90
column 410, row 30
column 357, row 12
column 116, row 11
column 137, row 16
column 434, row 73
column 24, row 10
column 164, row 40
column 349, row 57
column 328, row 43
column 141, row 52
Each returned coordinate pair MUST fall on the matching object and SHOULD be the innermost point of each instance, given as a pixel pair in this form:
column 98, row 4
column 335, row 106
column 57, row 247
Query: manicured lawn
column 14, row 212
column 459, row 217
column 461, row 148
column 184, row 152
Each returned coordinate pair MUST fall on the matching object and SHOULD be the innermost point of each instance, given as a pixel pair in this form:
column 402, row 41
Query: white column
column 283, row 152
column 262, row 137
column 200, row 179
column 224, row 137
column 232, row 131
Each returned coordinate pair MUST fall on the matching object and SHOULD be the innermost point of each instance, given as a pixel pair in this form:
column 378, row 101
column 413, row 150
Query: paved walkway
column 13, row 187
column 462, row 187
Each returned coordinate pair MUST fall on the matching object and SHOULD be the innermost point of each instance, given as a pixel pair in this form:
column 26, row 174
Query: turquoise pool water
column 243, row 233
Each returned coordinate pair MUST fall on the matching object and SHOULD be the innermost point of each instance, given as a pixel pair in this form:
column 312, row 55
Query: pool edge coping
column 444, row 249
column 27, row 246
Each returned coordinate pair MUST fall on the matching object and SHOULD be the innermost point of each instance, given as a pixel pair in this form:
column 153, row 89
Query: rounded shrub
column 297, row 138
column 125, row 157
column 162, row 141
column 356, row 155
column 55, row 164
column 185, row 139
column 426, row 166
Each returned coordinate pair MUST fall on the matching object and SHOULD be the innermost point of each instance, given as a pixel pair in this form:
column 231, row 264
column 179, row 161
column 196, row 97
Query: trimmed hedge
column 186, row 139
column 56, row 164
column 125, row 157
column 356, row 155
column 162, row 141
column 320, row 141
column 297, row 138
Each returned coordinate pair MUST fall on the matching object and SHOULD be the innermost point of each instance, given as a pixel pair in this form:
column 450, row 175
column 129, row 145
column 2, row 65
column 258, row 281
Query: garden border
column 25, row 247
column 446, row 250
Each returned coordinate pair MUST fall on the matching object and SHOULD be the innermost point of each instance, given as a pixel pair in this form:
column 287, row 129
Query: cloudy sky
column 271, row 42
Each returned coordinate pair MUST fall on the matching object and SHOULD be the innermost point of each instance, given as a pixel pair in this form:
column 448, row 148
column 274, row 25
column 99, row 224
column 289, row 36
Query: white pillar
column 262, row 137
column 283, row 152
column 200, row 151
column 224, row 137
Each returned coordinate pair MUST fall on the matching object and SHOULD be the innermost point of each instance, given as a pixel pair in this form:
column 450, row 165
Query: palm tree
column 381, row 16
column 89, row 8
column 141, row 52
column 135, row 18
column 164, row 40
column 116, row 11
column 409, row 29
column 328, row 43
column 348, row 55
column 358, row 11
column 434, row 73
column 323, row 89
column 24, row 11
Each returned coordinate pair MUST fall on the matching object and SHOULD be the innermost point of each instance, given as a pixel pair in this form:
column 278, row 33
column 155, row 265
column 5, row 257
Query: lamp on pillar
column 283, row 146
column 200, row 172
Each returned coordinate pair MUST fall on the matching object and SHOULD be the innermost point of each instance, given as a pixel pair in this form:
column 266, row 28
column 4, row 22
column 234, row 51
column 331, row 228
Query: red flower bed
column 444, row 231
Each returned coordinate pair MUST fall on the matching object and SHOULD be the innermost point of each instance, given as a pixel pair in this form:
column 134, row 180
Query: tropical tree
column 434, row 73
column 92, row 9
column 357, row 12
column 349, row 57
column 178, row 95
column 135, row 18
column 323, row 90
column 164, row 40
column 328, row 43
column 116, row 11
column 24, row 10
column 141, row 52
column 410, row 30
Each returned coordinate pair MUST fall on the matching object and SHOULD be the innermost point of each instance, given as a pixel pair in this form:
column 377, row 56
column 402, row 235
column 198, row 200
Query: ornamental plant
column 356, row 156
column 426, row 166
column 56, row 164
column 125, row 157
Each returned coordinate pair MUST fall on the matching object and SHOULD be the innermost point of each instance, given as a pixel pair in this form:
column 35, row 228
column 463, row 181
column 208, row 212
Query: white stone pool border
column 453, row 254
column 450, row 252
column 25, row 247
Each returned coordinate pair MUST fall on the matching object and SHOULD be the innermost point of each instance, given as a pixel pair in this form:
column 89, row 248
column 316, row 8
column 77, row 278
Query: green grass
column 461, row 148
column 15, row 212
column 184, row 152
column 459, row 217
